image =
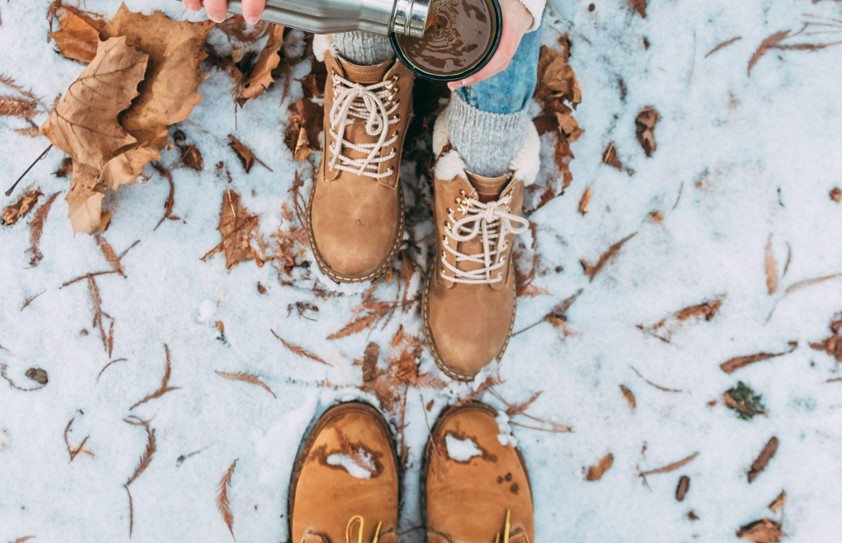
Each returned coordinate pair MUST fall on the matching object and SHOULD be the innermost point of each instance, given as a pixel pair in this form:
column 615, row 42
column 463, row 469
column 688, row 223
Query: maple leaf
column 238, row 227
column 260, row 78
column 78, row 35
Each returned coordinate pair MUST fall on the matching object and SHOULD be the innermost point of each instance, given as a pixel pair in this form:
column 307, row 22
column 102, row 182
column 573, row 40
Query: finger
column 252, row 10
column 498, row 63
column 193, row 5
column 217, row 10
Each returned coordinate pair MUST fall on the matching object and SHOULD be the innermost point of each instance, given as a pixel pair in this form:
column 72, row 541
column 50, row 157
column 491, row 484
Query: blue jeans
column 511, row 90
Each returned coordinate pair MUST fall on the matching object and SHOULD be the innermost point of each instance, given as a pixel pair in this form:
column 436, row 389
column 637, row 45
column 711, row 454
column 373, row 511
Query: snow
column 461, row 450
column 740, row 158
column 360, row 466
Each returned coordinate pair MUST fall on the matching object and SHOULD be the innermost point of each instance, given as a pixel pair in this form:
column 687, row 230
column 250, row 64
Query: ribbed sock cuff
column 487, row 142
column 363, row 48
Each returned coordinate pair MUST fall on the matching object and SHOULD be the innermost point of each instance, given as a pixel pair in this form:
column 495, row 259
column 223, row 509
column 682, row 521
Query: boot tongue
column 365, row 75
column 488, row 189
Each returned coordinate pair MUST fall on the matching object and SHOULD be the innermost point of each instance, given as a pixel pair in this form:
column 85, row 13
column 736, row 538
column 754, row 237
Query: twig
column 11, row 189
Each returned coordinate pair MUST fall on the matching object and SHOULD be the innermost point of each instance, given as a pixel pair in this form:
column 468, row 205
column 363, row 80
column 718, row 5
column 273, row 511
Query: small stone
column 836, row 195
column 38, row 375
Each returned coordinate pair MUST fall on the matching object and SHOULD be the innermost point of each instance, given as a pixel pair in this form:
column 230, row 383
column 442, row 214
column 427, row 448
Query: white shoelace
column 494, row 222
column 374, row 104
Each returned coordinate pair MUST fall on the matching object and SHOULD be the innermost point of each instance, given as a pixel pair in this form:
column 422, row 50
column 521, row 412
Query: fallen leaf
column 639, row 6
column 585, row 201
column 778, row 502
column 629, row 396
column 682, row 488
column 592, row 270
column 645, row 125
column 763, row 459
column 764, row 47
column 246, row 378
column 771, row 268
column 670, row 467
column 304, row 125
column 78, row 35
column 14, row 212
column 246, row 155
column 260, row 78
column 836, row 195
column 222, row 501
column 733, row 364
column 761, row 531
column 596, row 471
column 238, row 228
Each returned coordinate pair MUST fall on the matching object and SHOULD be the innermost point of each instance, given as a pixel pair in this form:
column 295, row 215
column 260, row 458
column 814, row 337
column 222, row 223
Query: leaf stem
column 19, row 179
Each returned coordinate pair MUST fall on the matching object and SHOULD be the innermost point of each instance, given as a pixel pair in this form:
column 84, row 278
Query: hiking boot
column 477, row 489
column 345, row 482
column 356, row 205
column 469, row 301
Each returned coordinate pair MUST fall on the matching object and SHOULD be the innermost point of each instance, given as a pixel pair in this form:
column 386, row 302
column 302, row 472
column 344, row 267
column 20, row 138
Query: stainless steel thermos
column 385, row 17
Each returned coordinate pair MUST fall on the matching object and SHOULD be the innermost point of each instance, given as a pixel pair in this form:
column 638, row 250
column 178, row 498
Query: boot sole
column 316, row 428
column 428, row 450
column 381, row 268
column 439, row 359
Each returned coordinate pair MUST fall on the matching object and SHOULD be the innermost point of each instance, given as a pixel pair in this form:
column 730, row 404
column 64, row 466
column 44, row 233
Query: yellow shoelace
column 506, row 529
column 358, row 519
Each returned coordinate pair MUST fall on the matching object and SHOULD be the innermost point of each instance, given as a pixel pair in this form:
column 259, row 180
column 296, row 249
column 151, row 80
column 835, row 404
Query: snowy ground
column 739, row 159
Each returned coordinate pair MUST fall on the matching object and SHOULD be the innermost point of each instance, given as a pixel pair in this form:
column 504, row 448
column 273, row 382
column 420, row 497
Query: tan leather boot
column 469, row 302
column 345, row 483
column 356, row 205
column 476, row 488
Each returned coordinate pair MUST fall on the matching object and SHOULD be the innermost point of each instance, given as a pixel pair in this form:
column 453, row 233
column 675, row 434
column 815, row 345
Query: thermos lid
column 458, row 31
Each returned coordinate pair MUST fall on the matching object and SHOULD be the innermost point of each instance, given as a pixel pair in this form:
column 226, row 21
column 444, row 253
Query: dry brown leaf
column 666, row 327
column 238, row 228
column 764, row 47
column 778, row 502
column 596, row 471
column 260, row 78
column 722, row 45
column 78, row 37
column 592, row 271
column 629, row 396
column 609, row 157
column 300, row 351
column 304, row 126
column 16, row 211
column 733, row 364
column 246, row 378
column 165, row 382
column 832, row 346
column 169, row 92
column 244, row 153
column 670, row 467
column 771, row 268
column 639, row 6
column 762, row 531
column 762, row 461
column 585, row 202
column 836, row 194
column 12, row 106
column 84, row 122
column 800, row 285
column 222, row 501
column 682, row 488
column 645, row 125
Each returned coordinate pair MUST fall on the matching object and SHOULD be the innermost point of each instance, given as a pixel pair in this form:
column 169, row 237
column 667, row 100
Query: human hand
column 217, row 10
column 516, row 21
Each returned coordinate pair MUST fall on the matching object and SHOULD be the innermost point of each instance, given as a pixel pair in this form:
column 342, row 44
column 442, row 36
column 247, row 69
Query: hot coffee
column 461, row 37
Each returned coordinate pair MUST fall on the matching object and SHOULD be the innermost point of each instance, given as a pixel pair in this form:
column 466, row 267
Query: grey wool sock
column 363, row 48
column 487, row 142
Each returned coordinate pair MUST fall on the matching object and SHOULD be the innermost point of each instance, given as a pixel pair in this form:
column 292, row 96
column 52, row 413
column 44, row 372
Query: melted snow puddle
column 461, row 450
column 360, row 466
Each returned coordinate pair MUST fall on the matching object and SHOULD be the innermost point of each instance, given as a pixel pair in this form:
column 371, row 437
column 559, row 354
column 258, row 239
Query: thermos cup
column 442, row 40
